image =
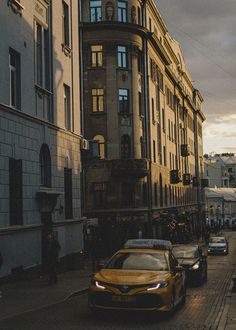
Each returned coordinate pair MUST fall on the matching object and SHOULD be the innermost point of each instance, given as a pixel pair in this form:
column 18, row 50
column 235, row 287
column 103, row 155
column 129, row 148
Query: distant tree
column 206, row 156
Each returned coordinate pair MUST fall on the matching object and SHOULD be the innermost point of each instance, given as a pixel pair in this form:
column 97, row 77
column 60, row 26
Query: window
column 139, row 16
column 95, row 11
column 163, row 119
column 161, row 191
column 68, row 193
column 67, row 110
column 15, row 192
column 123, row 101
column 125, row 146
column 42, row 57
column 100, row 194
column 127, row 194
column 153, row 111
column 96, row 55
column 122, row 11
column 154, row 150
column 142, row 146
column 101, row 145
column 140, row 103
column 155, row 194
column 150, row 24
column 66, row 29
column 122, row 56
column 15, row 79
column 97, row 99
column 164, row 154
column 45, row 166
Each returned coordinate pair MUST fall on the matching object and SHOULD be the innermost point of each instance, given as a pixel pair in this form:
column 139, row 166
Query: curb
column 74, row 293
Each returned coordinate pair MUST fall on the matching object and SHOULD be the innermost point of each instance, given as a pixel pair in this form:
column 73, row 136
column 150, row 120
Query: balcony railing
column 138, row 168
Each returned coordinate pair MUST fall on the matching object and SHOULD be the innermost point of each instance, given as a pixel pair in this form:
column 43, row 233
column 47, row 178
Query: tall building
column 40, row 133
column 143, row 117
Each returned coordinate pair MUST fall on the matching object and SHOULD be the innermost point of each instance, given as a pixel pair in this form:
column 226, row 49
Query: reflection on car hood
column 187, row 261
column 131, row 277
column 217, row 244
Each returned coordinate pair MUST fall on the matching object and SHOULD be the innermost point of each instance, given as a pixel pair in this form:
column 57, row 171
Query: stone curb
column 74, row 293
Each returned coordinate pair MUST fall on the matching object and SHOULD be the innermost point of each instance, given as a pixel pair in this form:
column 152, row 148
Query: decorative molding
column 16, row 6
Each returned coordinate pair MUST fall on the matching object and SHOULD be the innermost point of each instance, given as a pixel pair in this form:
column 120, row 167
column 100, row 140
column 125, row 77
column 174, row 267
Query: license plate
column 123, row 298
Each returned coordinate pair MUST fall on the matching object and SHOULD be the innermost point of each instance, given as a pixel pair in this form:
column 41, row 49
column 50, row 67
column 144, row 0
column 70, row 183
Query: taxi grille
column 141, row 300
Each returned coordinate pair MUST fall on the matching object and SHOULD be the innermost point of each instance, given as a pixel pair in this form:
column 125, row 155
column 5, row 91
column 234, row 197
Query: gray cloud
column 206, row 32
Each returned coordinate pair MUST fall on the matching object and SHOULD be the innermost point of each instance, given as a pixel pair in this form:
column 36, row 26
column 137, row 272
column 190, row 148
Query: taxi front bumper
column 157, row 300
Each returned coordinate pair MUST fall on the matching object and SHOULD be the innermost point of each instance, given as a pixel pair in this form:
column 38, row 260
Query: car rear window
column 139, row 261
column 184, row 252
column 217, row 240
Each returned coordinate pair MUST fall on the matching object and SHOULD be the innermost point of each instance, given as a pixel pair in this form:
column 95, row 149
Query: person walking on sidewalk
column 53, row 248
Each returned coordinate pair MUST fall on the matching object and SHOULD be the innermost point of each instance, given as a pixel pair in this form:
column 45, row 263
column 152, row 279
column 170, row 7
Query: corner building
column 144, row 115
column 39, row 132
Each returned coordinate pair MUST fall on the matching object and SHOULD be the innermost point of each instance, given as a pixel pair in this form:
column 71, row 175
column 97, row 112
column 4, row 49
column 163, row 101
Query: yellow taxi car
column 144, row 275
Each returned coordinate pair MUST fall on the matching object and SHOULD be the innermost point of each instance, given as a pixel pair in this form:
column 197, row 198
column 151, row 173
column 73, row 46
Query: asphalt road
column 203, row 309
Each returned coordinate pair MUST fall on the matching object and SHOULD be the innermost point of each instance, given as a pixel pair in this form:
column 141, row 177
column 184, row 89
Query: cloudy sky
column 206, row 29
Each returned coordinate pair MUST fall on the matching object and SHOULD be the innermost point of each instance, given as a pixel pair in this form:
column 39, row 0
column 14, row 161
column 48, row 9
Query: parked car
column 218, row 245
column 144, row 275
column 193, row 260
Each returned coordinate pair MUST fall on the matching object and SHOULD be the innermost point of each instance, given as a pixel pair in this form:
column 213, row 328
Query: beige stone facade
column 142, row 108
column 40, row 139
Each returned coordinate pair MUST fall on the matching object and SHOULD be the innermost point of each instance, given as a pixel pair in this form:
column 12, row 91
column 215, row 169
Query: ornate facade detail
column 16, row 6
column 133, row 14
column 109, row 11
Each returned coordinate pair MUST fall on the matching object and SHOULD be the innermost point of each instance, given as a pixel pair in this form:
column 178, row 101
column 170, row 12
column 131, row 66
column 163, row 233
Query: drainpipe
column 147, row 121
column 200, row 220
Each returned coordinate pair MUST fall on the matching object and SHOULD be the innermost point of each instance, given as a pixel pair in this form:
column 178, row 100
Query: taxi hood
column 131, row 277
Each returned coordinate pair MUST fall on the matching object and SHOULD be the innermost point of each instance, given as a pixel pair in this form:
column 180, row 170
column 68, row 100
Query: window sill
column 41, row 91
column 16, row 6
column 66, row 50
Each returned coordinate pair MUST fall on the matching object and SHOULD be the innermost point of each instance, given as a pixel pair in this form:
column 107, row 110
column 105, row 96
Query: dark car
column 194, row 262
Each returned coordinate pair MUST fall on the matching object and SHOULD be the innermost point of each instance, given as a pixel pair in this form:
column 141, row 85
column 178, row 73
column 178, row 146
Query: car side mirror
column 179, row 269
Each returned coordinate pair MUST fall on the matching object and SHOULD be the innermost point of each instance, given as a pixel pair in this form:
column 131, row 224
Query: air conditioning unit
column 185, row 150
column 174, row 176
column 84, row 144
column 186, row 179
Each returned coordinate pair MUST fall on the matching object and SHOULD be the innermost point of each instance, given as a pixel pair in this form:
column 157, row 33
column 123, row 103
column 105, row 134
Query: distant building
column 143, row 116
column 220, row 206
column 216, row 172
column 220, row 170
column 40, row 137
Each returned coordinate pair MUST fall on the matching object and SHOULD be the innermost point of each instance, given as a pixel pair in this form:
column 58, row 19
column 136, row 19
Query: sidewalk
column 22, row 296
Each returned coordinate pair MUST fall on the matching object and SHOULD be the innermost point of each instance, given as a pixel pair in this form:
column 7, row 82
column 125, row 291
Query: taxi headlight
column 98, row 284
column 157, row 286
column 196, row 266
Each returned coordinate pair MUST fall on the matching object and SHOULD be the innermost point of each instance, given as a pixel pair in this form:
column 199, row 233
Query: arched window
column 125, row 146
column 101, row 145
column 45, row 166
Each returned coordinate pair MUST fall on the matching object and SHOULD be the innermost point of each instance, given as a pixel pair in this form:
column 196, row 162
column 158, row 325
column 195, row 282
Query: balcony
column 138, row 168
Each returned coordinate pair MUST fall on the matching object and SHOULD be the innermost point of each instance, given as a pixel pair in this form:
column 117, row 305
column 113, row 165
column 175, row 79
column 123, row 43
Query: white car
column 218, row 245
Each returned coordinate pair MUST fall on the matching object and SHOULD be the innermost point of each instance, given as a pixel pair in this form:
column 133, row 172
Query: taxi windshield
column 185, row 252
column 217, row 240
column 139, row 261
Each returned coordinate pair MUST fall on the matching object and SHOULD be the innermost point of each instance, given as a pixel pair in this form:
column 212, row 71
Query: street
column 203, row 309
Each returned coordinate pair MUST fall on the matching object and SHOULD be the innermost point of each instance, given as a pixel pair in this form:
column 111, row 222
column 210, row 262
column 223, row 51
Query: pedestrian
column 53, row 248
